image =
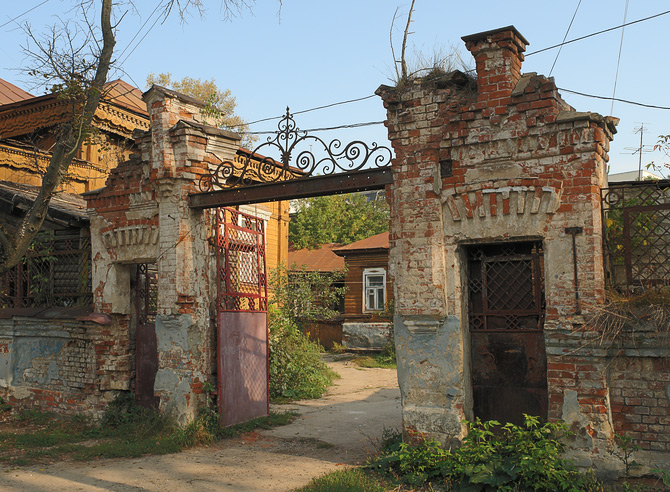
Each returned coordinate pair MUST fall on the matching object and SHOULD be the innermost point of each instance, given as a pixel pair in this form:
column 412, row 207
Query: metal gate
column 146, row 348
column 242, row 358
column 506, row 310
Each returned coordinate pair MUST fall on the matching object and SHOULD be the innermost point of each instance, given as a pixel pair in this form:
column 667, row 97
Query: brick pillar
column 500, row 158
column 184, row 328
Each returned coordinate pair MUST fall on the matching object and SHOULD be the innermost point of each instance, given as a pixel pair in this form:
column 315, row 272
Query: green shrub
column 492, row 457
column 296, row 368
column 349, row 480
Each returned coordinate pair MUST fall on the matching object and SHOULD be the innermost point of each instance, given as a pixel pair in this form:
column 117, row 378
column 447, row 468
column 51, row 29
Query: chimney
column 498, row 55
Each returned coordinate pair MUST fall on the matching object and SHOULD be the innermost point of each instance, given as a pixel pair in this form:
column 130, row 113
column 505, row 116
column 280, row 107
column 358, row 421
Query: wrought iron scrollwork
column 255, row 168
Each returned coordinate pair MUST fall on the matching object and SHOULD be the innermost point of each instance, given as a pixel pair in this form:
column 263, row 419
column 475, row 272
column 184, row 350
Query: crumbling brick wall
column 61, row 364
column 488, row 160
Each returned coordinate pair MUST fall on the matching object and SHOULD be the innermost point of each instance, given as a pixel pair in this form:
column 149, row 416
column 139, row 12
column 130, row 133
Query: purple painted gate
column 242, row 361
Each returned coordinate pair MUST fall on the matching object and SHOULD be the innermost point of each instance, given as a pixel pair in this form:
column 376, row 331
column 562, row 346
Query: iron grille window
column 56, row 271
column 506, row 286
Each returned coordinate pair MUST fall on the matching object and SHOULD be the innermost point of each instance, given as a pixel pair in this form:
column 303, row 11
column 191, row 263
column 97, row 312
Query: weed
column 623, row 449
column 4, row 406
column 492, row 457
column 377, row 361
column 126, row 430
column 337, row 348
column 349, row 480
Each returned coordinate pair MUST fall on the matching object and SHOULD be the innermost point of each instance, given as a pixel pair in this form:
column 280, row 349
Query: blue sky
column 321, row 52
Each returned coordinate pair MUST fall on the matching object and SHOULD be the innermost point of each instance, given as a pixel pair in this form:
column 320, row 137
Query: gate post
column 489, row 160
column 180, row 151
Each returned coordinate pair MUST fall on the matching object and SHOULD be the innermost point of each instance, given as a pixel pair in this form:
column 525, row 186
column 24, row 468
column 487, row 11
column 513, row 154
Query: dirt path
column 330, row 432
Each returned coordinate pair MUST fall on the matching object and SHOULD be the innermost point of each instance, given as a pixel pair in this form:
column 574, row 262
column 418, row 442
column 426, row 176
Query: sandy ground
column 332, row 432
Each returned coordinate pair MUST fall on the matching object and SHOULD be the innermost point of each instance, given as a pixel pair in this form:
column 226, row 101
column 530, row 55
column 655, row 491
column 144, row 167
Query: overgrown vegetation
column 302, row 296
column 622, row 315
column 125, row 431
column 349, row 480
column 492, row 457
column 296, row 368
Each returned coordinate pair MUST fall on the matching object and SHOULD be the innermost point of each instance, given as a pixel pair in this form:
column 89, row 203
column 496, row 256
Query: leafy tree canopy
column 337, row 219
column 221, row 102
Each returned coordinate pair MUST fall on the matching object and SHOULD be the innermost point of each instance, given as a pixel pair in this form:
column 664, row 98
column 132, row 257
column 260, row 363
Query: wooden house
column 369, row 292
column 28, row 130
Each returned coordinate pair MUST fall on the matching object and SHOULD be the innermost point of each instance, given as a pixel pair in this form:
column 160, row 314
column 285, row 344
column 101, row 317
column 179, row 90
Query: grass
column 374, row 361
column 38, row 438
column 349, row 480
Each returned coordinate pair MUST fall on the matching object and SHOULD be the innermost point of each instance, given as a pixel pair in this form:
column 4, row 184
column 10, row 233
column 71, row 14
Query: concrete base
column 365, row 335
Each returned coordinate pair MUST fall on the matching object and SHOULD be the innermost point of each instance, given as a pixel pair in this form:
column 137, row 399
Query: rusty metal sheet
column 242, row 366
column 146, row 346
column 509, row 372
column 146, row 365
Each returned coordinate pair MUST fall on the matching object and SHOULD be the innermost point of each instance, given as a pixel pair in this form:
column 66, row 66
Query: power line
column 653, row 106
column 564, row 37
column 340, row 127
column 599, row 32
column 528, row 54
column 310, row 109
column 618, row 60
column 139, row 30
column 143, row 37
column 21, row 15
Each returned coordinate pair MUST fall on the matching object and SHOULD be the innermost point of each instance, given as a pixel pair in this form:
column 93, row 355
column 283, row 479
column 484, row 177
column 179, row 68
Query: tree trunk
column 73, row 134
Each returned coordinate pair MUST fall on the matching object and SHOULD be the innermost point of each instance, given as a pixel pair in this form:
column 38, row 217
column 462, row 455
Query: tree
column 220, row 102
column 74, row 63
column 306, row 296
column 337, row 219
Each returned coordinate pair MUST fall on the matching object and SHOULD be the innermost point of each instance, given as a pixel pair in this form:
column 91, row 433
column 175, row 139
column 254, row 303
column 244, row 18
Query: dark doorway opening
column 506, row 319
column 146, row 347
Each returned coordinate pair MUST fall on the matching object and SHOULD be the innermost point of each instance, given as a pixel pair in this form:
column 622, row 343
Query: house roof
column 9, row 93
column 123, row 94
column 378, row 242
column 316, row 260
column 121, row 111
column 63, row 206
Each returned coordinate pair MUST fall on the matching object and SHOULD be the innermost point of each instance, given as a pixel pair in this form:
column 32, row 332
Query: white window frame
column 374, row 290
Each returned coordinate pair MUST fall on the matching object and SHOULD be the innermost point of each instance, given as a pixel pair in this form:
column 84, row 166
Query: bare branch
column 395, row 62
column 404, row 42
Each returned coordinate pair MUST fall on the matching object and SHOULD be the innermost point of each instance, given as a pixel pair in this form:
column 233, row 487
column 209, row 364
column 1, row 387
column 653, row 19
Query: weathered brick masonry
column 142, row 216
column 61, row 363
column 498, row 159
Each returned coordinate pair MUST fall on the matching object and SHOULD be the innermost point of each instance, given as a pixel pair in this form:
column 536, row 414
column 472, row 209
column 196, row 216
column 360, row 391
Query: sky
column 309, row 53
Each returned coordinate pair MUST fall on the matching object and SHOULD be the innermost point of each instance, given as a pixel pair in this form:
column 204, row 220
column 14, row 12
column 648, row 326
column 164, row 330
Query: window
column 374, row 289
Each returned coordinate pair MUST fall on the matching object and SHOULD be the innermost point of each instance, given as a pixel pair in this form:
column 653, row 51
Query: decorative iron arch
column 256, row 169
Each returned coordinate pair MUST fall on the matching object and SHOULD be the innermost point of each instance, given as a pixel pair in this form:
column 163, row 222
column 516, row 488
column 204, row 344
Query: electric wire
column 140, row 41
column 565, row 37
column 599, row 32
column 626, row 101
column 618, row 61
column 323, row 129
column 139, row 31
column 560, row 45
column 24, row 13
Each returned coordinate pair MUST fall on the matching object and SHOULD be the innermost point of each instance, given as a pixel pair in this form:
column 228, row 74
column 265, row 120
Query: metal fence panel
column 636, row 235
column 56, row 271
